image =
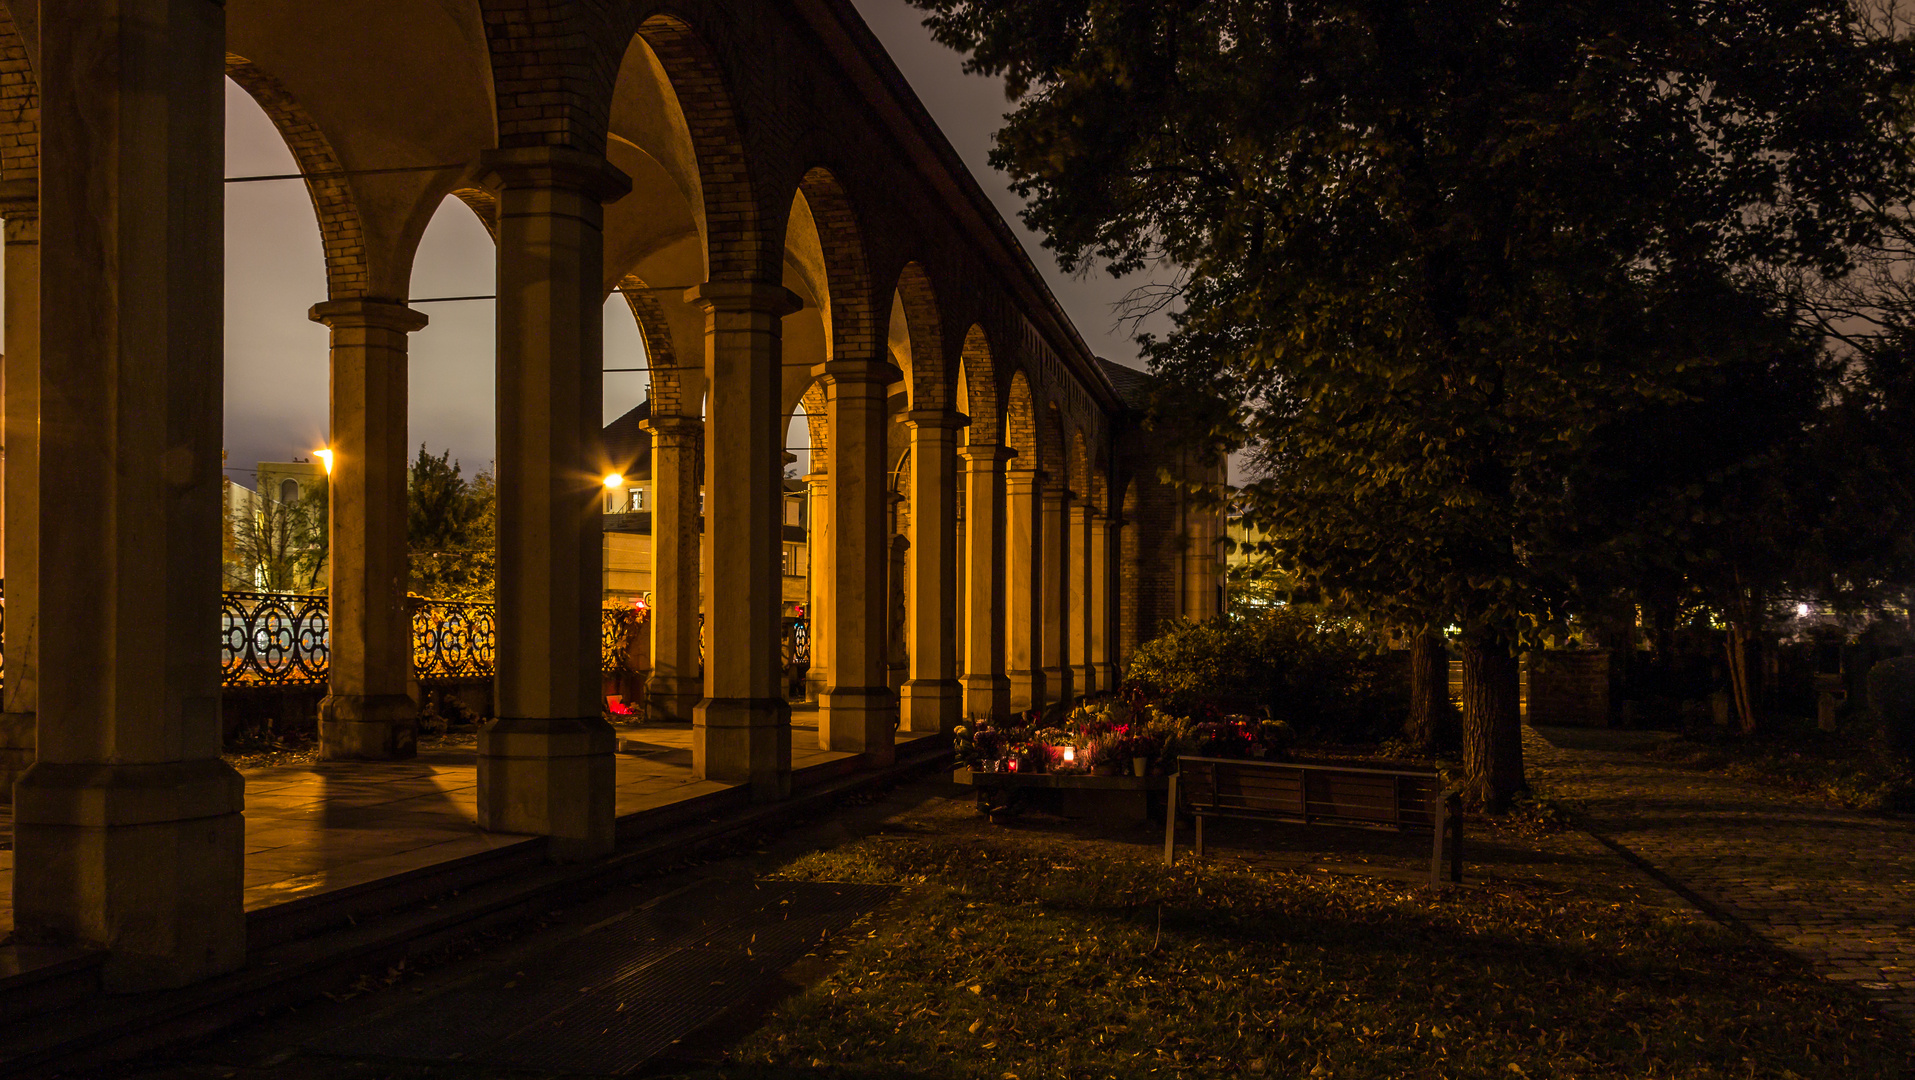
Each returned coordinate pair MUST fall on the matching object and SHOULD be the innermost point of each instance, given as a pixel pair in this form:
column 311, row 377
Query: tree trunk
column 1745, row 625
column 1492, row 722
column 1429, row 691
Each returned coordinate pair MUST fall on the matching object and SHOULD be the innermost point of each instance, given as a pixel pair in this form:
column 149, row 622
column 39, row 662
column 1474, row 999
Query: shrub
column 1317, row 673
column 1891, row 697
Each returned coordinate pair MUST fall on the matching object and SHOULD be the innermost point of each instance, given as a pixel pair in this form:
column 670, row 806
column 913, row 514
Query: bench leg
column 1436, row 841
column 1170, row 823
column 1198, row 847
column 1456, row 843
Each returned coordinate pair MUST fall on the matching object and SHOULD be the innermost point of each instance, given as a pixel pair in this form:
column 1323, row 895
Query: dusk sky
column 276, row 379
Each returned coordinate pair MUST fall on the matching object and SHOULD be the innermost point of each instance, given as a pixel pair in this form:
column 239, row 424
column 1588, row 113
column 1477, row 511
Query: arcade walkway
column 319, row 827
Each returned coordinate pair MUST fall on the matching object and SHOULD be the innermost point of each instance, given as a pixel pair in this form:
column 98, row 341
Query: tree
column 282, row 546
column 1439, row 246
column 451, row 529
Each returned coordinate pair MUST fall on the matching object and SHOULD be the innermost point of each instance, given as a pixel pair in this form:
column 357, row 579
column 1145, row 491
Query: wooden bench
column 1401, row 799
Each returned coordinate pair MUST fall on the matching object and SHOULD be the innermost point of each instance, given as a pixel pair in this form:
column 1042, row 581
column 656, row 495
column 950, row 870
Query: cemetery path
column 1834, row 888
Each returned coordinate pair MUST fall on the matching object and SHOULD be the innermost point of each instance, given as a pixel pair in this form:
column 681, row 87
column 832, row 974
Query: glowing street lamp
column 612, row 481
column 324, row 454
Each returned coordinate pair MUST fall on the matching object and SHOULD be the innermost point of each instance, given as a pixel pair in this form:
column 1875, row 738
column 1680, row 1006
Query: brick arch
column 1080, row 470
column 928, row 382
column 742, row 241
column 856, row 331
column 979, row 401
column 1020, row 423
column 817, row 424
column 341, row 232
column 1053, row 448
column 665, row 389
column 484, row 204
column 19, row 107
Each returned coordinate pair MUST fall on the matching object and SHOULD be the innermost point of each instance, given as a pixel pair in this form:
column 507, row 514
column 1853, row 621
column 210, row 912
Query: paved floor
column 316, row 827
column 1836, row 889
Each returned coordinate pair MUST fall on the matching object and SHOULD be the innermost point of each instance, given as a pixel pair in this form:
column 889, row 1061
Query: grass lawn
column 1054, row 949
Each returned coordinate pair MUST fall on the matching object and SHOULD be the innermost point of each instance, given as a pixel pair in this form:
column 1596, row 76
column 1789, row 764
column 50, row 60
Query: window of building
column 638, row 498
column 794, row 564
column 289, row 490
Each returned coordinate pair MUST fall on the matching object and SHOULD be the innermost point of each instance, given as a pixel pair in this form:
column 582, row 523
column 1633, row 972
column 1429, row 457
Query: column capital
column 367, row 312
column 674, row 426
column 845, row 372
column 763, row 296
column 553, row 167
column 20, row 200
column 985, row 455
column 937, row 419
column 1023, row 479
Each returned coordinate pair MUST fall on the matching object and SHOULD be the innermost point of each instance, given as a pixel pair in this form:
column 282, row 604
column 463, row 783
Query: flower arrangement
column 1115, row 736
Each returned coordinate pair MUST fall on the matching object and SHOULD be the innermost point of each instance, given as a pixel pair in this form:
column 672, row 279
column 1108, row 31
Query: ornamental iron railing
column 273, row 639
column 453, row 639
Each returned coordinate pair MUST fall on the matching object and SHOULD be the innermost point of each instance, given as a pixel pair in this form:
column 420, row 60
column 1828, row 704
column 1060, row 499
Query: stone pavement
column 1834, row 888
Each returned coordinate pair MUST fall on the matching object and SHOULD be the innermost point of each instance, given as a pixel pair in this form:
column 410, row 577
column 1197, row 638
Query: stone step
column 404, row 919
column 37, row 979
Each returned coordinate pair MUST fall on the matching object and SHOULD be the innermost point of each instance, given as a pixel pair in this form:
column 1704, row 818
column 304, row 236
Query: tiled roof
column 1133, row 386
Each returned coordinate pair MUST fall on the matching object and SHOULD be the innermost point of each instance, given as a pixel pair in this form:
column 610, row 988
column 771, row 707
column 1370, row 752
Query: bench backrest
column 1229, row 786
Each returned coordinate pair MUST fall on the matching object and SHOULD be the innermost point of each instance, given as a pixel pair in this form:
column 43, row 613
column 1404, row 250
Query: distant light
column 325, row 457
column 1801, row 611
column 613, row 480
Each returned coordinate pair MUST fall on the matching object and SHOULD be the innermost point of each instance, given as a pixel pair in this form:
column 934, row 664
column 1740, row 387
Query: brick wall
column 1569, row 689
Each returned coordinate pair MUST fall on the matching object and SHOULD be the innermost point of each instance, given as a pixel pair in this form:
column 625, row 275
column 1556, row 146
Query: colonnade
column 128, row 827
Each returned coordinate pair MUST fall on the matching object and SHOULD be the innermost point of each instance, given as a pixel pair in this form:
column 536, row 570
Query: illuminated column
column 1023, row 589
column 986, row 691
column 545, row 765
column 931, row 699
column 20, row 383
column 128, row 833
column 1079, row 570
column 367, row 712
column 858, row 714
column 741, row 731
column 1056, row 566
column 818, row 550
column 675, row 685
column 1102, row 588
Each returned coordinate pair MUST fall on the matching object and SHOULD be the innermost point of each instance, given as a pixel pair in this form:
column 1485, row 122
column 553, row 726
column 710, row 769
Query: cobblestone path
column 1836, row 889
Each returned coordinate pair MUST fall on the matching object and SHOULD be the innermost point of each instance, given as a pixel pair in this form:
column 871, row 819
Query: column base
column 1026, row 690
column 671, row 699
column 368, row 727
column 744, row 741
column 552, row 778
column 144, row 861
column 1086, row 680
column 1057, row 685
column 18, row 737
column 859, row 720
column 986, row 695
column 815, row 687
column 930, row 705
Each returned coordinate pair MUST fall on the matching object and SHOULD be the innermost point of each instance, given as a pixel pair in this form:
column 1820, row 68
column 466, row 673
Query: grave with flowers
column 1107, row 757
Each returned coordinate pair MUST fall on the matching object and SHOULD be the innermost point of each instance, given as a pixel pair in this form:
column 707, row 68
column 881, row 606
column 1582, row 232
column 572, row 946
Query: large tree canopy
column 1449, row 248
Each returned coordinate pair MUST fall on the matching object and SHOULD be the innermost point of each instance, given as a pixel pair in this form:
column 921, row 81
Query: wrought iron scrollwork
column 274, row 639
column 453, row 639
column 616, row 625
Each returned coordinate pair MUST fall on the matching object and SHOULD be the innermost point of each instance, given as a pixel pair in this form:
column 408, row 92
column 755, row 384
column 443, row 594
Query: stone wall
column 1569, row 688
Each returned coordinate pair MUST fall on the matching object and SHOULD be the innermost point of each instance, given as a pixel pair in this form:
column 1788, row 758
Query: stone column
column 675, row 686
column 545, row 765
column 1023, row 589
column 931, row 698
column 818, row 556
column 1200, row 561
column 1101, row 590
column 1056, row 599
column 858, row 713
column 986, row 691
column 741, row 730
column 20, row 445
column 1083, row 676
column 128, row 831
column 367, row 713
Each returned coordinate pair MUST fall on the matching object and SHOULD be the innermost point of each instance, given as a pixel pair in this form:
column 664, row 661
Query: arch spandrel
column 1020, row 424
column 850, row 304
column 1053, row 448
column 917, row 334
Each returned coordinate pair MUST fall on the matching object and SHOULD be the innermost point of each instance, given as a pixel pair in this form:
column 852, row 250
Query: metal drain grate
column 609, row 1000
